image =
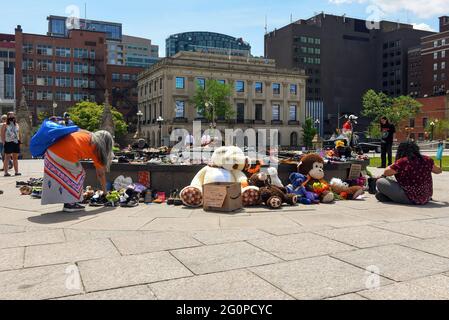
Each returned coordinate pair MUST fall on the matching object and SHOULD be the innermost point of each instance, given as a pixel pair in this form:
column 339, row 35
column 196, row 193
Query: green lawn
column 376, row 162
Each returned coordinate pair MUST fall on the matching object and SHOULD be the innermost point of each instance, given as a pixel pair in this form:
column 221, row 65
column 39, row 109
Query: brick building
column 434, row 109
column 7, row 70
column 63, row 70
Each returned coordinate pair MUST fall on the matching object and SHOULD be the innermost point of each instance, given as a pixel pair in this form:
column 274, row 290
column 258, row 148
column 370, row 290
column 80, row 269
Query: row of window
column 308, row 60
column 7, row 54
column 64, row 82
column 309, row 40
column 439, row 43
column 125, row 77
column 58, row 66
column 152, row 85
column 276, row 115
column 58, row 96
column 436, row 65
column 392, row 44
column 47, row 50
column 239, row 86
column 442, row 55
column 439, row 77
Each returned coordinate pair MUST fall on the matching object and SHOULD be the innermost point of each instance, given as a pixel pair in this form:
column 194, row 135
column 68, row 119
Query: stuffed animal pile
column 262, row 185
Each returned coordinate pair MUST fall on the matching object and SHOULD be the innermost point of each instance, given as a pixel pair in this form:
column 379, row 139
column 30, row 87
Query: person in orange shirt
column 63, row 174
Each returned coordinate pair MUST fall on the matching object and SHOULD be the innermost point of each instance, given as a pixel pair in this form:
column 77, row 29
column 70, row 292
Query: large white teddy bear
column 226, row 165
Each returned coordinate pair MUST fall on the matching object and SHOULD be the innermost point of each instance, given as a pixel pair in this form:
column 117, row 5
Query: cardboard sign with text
column 354, row 173
column 222, row 197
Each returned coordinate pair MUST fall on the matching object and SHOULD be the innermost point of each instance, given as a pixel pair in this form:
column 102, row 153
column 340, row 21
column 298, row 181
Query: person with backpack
column 63, row 174
column 10, row 135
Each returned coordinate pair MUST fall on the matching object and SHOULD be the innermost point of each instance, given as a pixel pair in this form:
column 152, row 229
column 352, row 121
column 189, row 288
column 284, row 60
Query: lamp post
column 139, row 121
column 432, row 130
column 317, row 124
column 160, row 121
column 55, row 105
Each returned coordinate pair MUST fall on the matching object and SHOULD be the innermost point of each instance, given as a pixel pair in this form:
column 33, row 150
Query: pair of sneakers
column 16, row 174
column 75, row 207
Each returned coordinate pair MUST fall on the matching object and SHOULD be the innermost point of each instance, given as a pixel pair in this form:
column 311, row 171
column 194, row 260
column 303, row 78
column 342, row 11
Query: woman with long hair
column 413, row 172
column 63, row 174
column 10, row 133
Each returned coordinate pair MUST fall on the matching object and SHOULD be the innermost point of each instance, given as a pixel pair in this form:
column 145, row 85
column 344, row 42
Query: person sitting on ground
column 413, row 172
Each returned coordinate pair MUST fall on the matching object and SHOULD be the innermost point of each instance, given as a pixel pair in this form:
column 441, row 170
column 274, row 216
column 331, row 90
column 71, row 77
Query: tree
column 373, row 131
column 88, row 115
column 309, row 132
column 378, row 105
column 214, row 101
column 440, row 129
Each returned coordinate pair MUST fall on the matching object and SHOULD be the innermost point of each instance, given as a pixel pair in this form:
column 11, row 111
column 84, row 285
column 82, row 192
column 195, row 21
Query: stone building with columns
column 264, row 96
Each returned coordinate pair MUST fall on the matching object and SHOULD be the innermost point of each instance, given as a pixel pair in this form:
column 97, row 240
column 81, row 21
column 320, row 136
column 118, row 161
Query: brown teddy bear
column 272, row 196
column 345, row 191
column 312, row 166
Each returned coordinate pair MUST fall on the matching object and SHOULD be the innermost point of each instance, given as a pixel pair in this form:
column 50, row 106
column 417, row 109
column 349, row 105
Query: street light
column 317, row 124
column 139, row 121
column 432, row 128
column 160, row 121
column 55, row 105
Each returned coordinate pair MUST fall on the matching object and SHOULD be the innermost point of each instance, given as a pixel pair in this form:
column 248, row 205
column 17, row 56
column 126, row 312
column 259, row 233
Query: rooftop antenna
column 85, row 10
column 266, row 24
column 291, row 18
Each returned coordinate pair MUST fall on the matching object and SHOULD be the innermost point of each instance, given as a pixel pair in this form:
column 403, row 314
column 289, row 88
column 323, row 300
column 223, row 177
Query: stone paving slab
column 256, row 222
column 418, row 229
column 143, row 293
column 69, row 252
column 80, row 235
column 113, row 223
column 365, row 236
column 113, row 273
column 300, row 246
column 229, row 235
column 438, row 246
column 429, row 288
column 315, row 278
column 11, row 259
column 230, row 285
column 284, row 231
column 11, row 229
column 331, row 219
column 183, row 224
column 396, row 262
column 223, row 257
column 348, row 297
column 12, row 240
column 130, row 245
column 383, row 215
column 36, row 284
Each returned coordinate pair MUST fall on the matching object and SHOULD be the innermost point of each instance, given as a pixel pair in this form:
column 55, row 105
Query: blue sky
column 240, row 18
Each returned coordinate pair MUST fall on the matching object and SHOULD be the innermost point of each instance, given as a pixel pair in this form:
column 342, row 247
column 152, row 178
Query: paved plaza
column 156, row 252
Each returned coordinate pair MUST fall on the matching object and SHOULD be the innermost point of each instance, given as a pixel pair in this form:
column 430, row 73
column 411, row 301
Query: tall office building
column 343, row 58
column 7, row 72
column 122, row 49
column 429, row 64
column 207, row 42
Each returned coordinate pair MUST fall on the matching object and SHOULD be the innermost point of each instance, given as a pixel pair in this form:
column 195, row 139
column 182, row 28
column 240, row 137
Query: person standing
column 10, row 133
column 3, row 121
column 387, row 130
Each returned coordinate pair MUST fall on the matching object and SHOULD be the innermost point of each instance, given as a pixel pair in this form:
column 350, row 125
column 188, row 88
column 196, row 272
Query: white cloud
column 422, row 26
column 421, row 8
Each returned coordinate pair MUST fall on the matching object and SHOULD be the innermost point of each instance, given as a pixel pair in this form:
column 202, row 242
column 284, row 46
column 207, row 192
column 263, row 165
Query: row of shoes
column 174, row 198
column 34, row 192
column 32, row 182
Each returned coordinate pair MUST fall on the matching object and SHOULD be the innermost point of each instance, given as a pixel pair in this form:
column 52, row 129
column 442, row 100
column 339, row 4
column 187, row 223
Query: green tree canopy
column 88, row 116
column 377, row 105
column 218, row 96
column 309, row 132
column 440, row 128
